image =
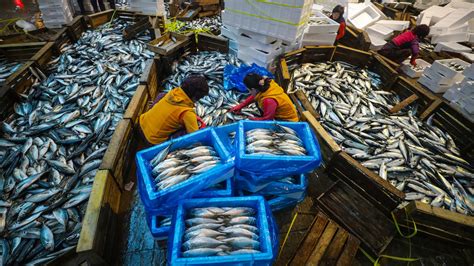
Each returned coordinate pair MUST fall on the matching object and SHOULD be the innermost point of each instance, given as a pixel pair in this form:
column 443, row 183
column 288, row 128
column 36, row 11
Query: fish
column 232, row 233
column 214, row 107
column 276, row 141
column 60, row 128
column 172, row 168
column 415, row 156
column 213, row 24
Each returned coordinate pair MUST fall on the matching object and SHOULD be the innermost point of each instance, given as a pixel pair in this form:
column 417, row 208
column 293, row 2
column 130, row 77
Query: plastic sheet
column 262, row 169
column 268, row 233
column 158, row 202
column 275, row 188
column 234, row 76
column 223, row 134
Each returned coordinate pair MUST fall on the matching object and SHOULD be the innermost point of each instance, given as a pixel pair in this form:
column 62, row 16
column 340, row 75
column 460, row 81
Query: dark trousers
column 81, row 6
column 98, row 5
column 394, row 53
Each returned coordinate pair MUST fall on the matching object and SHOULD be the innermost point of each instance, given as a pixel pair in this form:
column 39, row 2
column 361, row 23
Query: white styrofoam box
column 462, row 28
column 394, row 24
column 290, row 46
column 233, row 44
column 233, row 51
column 440, row 79
column 379, row 31
column 260, row 55
column 464, row 4
column 317, row 14
column 245, row 40
column 471, row 38
column 229, row 32
column 316, row 43
column 471, row 25
column 424, row 19
column 262, row 8
column 430, row 84
column 365, row 17
column 331, row 27
column 274, row 29
column 258, row 37
column 469, row 72
column 436, row 13
column 412, row 73
column 450, row 37
column 451, row 47
column 376, row 43
column 248, row 59
column 324, row 37
column 441, row 67
column 469, row 56
column 453, row 94
column 454, row 19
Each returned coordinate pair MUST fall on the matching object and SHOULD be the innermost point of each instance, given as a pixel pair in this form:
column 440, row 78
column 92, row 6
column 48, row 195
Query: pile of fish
column 53, row 144
column 282, row 141
column 213, row 108
column 416, row 157
column 212, row 24
column 417, row 68
column 221, row 231
column 171, row 168
column 455, row 66
column 7, row 68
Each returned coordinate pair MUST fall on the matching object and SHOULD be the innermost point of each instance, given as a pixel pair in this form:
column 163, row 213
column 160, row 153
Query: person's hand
column 202, row 124
column 413, row 63
column 236, row 109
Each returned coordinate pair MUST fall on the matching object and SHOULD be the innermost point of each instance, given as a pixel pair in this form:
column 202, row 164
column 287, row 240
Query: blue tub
column 276, row 203
column 163, row 201
column 266, row 168
column 226, row 191
column 276, row 188
column 153, row 221
column 223, row 134
column 265, row 222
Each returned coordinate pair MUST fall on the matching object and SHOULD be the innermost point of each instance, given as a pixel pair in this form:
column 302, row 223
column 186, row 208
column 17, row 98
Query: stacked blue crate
column 268, row 233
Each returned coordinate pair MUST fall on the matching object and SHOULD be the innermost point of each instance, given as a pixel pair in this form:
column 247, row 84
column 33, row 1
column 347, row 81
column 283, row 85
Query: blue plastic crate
column 276, row 203
column 223, row 134
column 160, row 233
column 276, row 188
column 153, row 221
column 264, row 168
column 157, row 202
column 226, row 191
column 265, row 222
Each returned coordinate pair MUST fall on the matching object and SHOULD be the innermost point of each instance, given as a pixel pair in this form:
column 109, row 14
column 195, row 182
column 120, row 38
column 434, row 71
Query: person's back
column 165, row 117
column 286, row 111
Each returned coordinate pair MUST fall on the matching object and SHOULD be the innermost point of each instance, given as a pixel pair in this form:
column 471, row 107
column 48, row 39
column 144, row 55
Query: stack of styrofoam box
column 461, row 97
column 320, row 34
column 382, row 30
column 56, row 13
column 440, row 77
column 407, row 68
column 285, row 21
column 449, row 25
column 257, row 48
column 231, row 33
column 147, row 7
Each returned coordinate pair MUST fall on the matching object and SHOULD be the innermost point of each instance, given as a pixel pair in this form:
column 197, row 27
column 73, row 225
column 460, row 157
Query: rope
column 287, row 234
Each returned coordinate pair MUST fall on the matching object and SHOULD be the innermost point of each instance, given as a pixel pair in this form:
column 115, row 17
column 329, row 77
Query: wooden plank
column 428, row 111
column 323, row 243
column 328, row 146
column 137, row 105
column 44, row 55
column 100, row 220
column 310, row 241
column 116, row 153
column 354, row 56
column 97, row 19
column 350, row 251
column 336, row 248
column 298, row 106
column 306, row 104
column 153, row 79
column 404, row 103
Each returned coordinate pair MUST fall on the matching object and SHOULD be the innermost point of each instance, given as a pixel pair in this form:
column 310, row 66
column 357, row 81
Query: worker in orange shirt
column 174, row 112
column 270, row 97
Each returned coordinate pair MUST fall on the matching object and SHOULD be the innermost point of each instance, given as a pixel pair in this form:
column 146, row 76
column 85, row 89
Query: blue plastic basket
column 157, row 202
column 276, row 188
column 275, row 203
column 223, row 134
column 265, row 222
column 160, row 233
column 265, row 168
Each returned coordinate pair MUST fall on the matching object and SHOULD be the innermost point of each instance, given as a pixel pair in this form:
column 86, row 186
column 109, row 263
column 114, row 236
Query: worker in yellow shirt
column 270, row 97
column 174, row 112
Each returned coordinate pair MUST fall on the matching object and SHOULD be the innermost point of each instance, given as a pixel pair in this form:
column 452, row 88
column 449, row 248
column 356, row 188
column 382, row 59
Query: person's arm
column 341, row 31
column 415, row 50
column 190, row 122
column 246, row 102
column 269, row 110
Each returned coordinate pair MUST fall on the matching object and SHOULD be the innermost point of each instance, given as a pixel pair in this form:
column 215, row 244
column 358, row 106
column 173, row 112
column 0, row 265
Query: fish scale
column 61, row 129
column 398, row 147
